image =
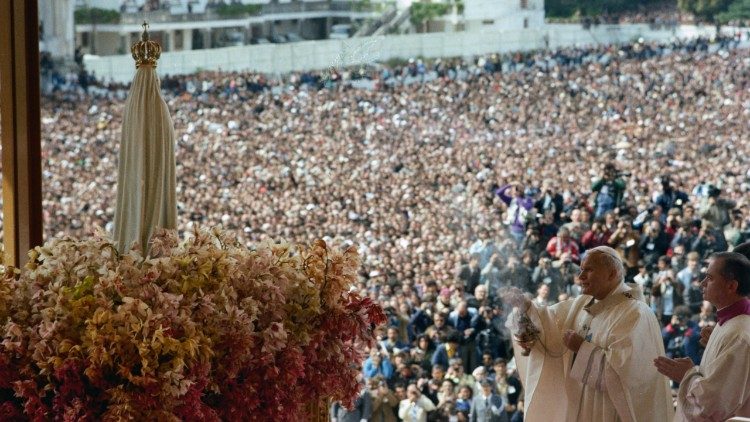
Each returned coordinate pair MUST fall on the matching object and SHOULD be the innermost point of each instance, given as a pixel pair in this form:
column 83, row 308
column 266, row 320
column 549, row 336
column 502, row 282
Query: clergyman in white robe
column 720, row 386
column 610, row 377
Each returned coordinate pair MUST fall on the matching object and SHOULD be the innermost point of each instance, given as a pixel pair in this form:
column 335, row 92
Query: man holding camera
column 715, row 209
column 415, row 407
column 682, row 336
column 719, row 388
column 384, row 401
column 609, row 191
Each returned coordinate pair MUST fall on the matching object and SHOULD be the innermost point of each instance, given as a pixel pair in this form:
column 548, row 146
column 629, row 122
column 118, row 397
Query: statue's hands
column 572, row 340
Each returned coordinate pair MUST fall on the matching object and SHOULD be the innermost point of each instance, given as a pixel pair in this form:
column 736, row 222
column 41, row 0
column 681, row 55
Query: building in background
column 109, row 27
column 197, row 24
column 56, row 28
column 503, row 15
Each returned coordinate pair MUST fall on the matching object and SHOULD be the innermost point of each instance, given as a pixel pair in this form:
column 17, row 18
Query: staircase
column 370, row 27
column 395, row 23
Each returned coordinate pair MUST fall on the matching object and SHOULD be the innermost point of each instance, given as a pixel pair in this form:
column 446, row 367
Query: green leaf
column 95, row 15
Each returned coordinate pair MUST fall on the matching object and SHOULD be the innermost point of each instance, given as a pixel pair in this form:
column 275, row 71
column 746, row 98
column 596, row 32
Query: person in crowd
column 715, row 209
column 598, row 235
column 542, row 295
column 456, row 373
column 609, row 189
column 717, row 388
column 488, row 406
column 441, row 329
column 471, row 274
column 670, row 197
column 548, row 275
column 517, row 213
column 378, row 364
column 654, row 243
column 393, row 343
column 422, row 354
column 384, row 401
column 563, row 243
column 415, row 406
column 516, row 274
column 682, row 336
column 666, row 295
column 568, row 271
column 507, row 385
column 690, row 271
column 362, row 409
column 464, row 321
column 447, row 351
column 463, row 403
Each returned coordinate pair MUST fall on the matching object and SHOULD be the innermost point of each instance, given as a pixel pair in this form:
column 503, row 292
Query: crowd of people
column 455, row 178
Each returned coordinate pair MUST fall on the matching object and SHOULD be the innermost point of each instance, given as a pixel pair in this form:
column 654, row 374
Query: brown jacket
column 384, row 407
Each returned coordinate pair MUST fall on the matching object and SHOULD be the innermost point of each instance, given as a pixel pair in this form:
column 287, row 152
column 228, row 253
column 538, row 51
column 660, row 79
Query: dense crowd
column 455, row 178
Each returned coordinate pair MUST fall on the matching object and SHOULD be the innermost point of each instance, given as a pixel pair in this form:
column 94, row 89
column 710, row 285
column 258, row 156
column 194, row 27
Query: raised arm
column 502, row 192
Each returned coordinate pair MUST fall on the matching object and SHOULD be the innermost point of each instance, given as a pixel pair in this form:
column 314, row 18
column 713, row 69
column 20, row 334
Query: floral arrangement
column 200, row 330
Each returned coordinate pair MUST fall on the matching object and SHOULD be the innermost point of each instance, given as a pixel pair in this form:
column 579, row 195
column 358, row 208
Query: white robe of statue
column 720, row 387
column 611, row 378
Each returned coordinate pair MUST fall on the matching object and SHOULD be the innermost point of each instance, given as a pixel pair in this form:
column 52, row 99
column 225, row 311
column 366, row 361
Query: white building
column 56, row 28
column 503, row 15
column 188, row 25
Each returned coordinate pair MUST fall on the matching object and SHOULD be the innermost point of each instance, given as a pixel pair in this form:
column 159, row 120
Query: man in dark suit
column 362, row 409
column 487, row 406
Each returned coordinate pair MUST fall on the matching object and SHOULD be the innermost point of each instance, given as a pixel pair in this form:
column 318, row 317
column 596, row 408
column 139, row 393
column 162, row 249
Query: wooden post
column 21, row 129
column 318, row 410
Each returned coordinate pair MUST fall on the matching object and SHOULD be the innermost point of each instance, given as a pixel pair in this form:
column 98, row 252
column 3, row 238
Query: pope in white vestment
column 615, row 336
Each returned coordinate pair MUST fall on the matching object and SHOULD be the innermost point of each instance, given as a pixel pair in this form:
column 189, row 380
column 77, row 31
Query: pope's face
column 596, row 276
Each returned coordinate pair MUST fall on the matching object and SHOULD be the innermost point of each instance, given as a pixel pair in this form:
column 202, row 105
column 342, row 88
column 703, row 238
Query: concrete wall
column 323, row 54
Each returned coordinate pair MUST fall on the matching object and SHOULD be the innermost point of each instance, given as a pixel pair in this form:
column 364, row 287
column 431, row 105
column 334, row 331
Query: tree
column 738, row 11
column 95, row 15
column 569, row 8
column 706, row 9
column 421, row 12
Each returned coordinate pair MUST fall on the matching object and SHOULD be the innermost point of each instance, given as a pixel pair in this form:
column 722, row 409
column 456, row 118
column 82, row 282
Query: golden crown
column 145, row 51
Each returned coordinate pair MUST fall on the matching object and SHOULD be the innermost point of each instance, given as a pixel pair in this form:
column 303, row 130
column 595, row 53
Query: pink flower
column 204, row 330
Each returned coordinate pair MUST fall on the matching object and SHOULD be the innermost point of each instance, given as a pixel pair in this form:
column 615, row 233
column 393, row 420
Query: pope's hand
column 705, row 334
column 527, row 345
column 572, row 340
column 673, row 369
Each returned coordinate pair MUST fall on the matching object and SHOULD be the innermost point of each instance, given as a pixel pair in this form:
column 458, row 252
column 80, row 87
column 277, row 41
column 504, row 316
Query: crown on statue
column 145, row 51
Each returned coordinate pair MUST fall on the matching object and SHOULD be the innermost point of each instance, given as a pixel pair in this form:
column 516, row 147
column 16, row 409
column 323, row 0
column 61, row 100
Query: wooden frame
column 21, row 129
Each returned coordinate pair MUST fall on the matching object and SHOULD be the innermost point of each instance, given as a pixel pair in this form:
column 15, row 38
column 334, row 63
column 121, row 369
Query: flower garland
column 201, row 330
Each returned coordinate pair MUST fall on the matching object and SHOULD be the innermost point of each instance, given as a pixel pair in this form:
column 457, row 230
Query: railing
column 372, row 25
column 265, row 9
column 395, row 22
